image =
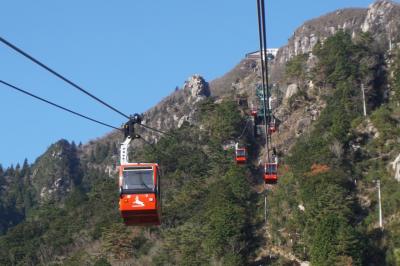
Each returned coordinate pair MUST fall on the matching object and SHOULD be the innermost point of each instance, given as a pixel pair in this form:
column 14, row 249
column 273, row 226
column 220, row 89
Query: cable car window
column 138, row 179
column 270, row 168
column 240, row 152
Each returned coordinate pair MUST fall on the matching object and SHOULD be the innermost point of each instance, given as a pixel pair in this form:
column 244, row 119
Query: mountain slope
column 63, row 208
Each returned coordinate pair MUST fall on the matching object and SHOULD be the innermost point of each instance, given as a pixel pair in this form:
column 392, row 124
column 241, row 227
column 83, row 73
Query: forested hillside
column 332, row 168
column 63, row 208
column 207, row 212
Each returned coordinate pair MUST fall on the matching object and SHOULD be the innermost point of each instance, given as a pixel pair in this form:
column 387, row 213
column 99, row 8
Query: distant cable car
column 272, row 127
column 271, row 173
column 241, row 155
column 140, row 199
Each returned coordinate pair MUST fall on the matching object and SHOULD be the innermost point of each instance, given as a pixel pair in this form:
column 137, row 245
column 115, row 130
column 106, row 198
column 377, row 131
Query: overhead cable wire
column 263, row 66
column 264, row 70
column 156, row 130
column 36, row 61
column 15, row 48
column 268, row 93
column 245, row 128
column 56, row 105
column 260, row 37
column 264, row 27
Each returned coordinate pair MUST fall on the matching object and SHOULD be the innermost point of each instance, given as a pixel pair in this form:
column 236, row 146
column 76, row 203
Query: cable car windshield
column 141, row 179
column 240, row 152
column 270, row 168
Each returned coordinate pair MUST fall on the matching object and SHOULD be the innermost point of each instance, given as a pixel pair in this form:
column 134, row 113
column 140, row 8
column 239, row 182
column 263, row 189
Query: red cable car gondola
column 272, row 126
column 241, row 155
column 140, row 201
column 271, row 173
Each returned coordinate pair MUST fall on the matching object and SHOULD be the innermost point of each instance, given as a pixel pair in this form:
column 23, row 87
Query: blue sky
column 129, row 53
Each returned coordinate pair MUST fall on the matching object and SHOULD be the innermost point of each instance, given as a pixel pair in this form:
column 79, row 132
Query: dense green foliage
column 206, row 202
column 63, row 208
column 16, row 196
column 395, row 75
column 297, row 68
column 206, row 207
column 330, row 230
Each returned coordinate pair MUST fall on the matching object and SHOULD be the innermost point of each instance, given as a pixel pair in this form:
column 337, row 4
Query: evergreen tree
column 25, row 168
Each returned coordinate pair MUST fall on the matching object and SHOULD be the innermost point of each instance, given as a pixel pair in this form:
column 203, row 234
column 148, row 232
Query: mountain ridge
column 199, row 173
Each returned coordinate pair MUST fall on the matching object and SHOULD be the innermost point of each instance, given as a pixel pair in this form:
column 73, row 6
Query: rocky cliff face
column 169, row 113
column 380, row 19
column 305, row 37
column 177, row 108
column 56, row 172
column 180, row 107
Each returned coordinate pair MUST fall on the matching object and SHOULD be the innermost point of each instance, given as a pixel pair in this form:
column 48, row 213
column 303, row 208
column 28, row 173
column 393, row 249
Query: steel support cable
column 268, row 93
column 264, row 28
column 261, row 40
column 245, row 128
column 56, row 105
column 265, row 50
column 264, row 66
column 260, row 43
column 156, row 130
column 15, row 48
column 12, row 46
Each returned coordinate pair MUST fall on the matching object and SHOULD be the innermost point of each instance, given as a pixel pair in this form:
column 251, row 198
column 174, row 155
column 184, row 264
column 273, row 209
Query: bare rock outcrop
column 381, row 16
column 177, row 108
column 315, row 30
column 197, row 87
column 380, row 19
column 56, row 172
column 396, row 168
column 291, row 90
column 367, row 128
